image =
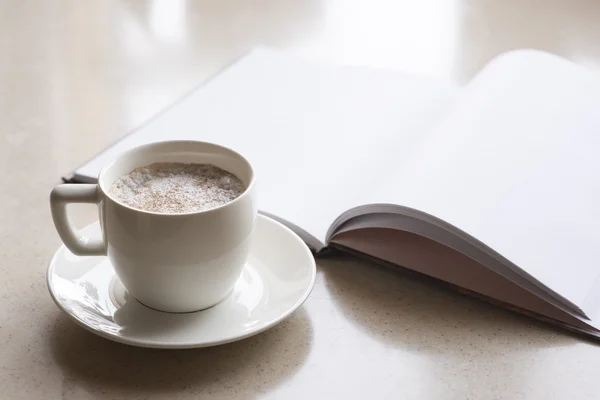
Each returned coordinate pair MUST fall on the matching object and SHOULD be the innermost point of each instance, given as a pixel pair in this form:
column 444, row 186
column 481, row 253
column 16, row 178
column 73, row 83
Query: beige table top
column 74, row 76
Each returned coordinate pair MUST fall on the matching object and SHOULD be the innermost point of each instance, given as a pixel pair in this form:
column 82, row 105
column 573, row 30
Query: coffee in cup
column 175, row 188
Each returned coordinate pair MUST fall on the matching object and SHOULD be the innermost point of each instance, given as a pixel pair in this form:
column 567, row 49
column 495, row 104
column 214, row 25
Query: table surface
column 75, row 76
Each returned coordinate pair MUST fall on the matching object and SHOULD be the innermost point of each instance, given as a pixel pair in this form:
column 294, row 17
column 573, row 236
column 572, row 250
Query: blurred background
column 89, row 71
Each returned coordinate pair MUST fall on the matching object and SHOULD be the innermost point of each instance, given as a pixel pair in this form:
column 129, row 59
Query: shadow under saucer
column 100, row 365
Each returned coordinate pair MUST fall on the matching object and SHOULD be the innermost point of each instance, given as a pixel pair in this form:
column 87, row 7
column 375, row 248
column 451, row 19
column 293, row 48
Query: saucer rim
column 190, row 345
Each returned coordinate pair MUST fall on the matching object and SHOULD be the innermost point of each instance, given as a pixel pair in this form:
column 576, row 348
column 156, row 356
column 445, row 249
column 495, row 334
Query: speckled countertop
column 74, row 76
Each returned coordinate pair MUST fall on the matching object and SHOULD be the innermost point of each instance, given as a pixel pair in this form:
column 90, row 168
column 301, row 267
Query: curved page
column 514, row 165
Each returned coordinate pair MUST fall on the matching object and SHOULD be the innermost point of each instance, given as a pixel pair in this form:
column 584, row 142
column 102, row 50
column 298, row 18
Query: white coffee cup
column 170, row 262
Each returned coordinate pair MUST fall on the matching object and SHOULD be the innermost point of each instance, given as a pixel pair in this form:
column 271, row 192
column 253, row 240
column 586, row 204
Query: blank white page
column 515, row 164
column 321, row 137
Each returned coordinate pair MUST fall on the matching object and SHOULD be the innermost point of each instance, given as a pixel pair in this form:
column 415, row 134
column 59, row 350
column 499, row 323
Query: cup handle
column 75, row 193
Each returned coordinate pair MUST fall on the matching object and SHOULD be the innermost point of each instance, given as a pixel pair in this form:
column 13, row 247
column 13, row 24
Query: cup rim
column 107, row 194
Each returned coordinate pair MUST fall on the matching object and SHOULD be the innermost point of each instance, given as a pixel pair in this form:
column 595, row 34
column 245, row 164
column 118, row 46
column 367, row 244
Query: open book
column 492, row 188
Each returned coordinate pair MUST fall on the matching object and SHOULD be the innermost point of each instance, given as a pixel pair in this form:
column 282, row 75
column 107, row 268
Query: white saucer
column 278, row 277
